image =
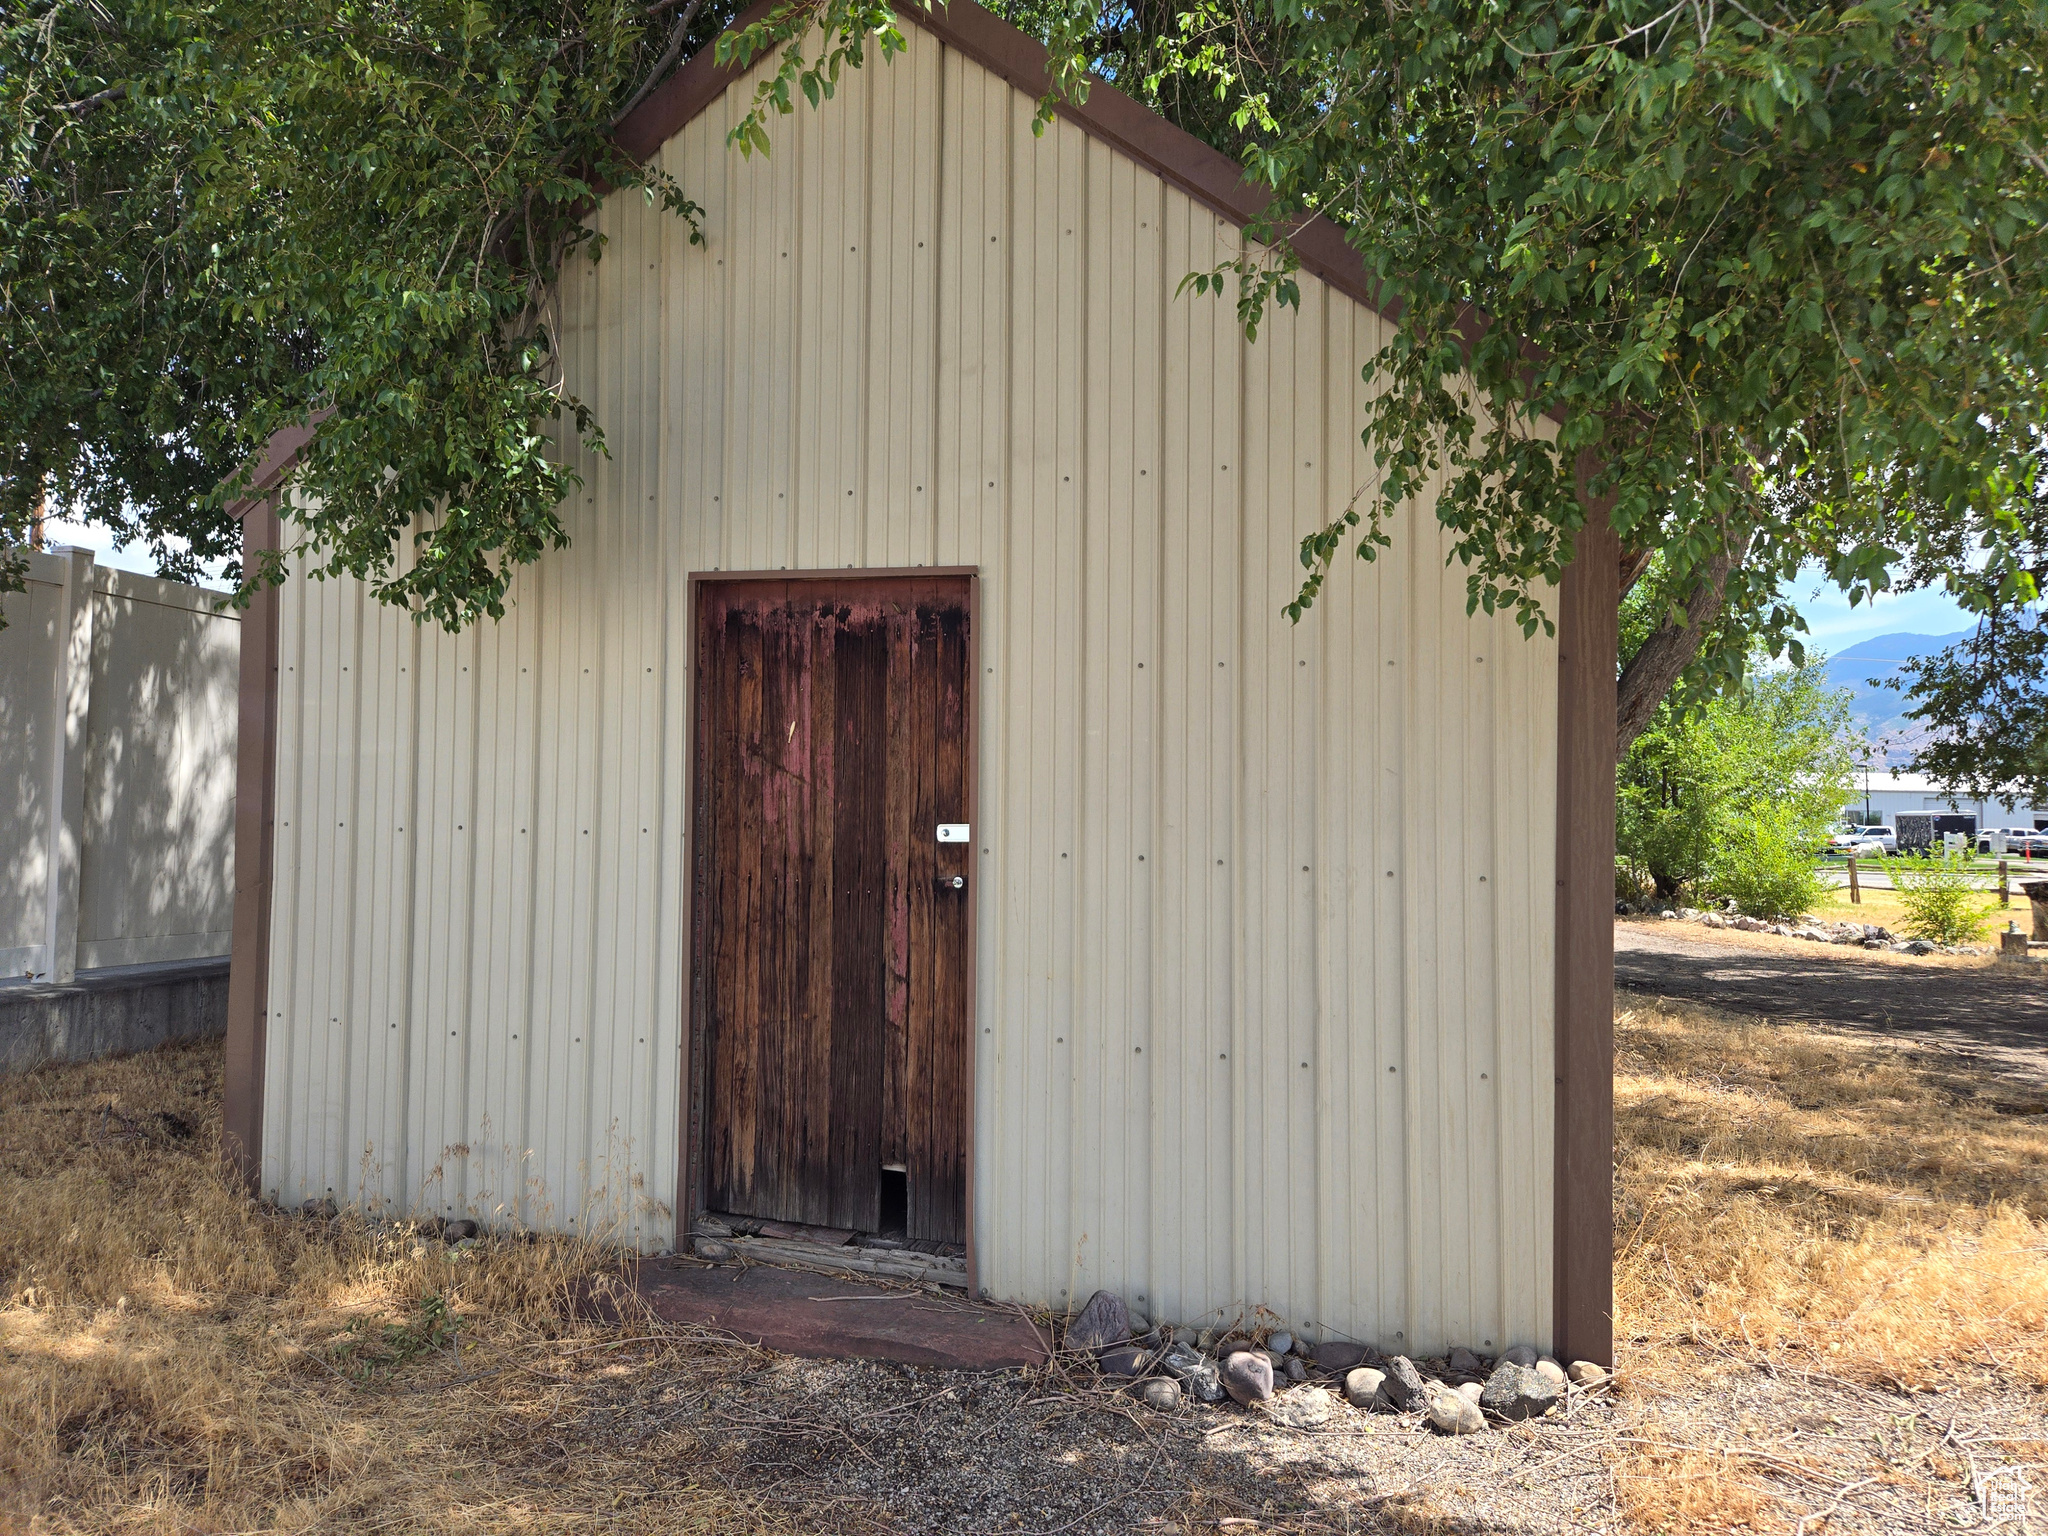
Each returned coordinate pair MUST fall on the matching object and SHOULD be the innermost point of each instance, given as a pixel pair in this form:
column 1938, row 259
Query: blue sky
column 87, row 536
column 1835, row 626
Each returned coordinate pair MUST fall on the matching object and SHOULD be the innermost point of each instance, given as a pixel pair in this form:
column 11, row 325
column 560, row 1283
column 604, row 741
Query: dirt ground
column 1832, row 1293
column 1976, row 1005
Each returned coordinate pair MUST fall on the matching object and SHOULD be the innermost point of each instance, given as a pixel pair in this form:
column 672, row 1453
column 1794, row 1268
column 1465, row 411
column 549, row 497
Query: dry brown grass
column 1785, row 1189
column 1789, row 1201
column 175, row 1357
column 1811, row 1202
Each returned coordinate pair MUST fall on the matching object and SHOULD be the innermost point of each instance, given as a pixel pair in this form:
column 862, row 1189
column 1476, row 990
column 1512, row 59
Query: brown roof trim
column 1205, row 174
column 279, row 454
column 1582, row 1257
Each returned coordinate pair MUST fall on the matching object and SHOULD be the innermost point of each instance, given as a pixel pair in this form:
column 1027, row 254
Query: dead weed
column 1791, row 1204
column 1881, row 1212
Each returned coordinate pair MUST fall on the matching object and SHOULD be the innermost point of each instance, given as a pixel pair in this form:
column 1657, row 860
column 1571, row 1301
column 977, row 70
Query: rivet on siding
column 1304, row 869
column 1141, row 666
column 1391, row 1069
column 1219, row 863
column 1390, row 874
column 1301, row 663
column 1479, row 658
column 1059, row 1039
column 1141, row 858
column 1482, row 1078
column 515, row 1037
column 1063, row 855
column 1223, row 1056
column 1137, row 1050
column 1304, row 1064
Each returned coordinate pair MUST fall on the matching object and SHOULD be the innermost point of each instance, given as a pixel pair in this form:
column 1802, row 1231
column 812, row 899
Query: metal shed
column 925, row 622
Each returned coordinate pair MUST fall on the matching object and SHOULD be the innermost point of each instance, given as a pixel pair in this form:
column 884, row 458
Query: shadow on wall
column 28, row 652
column 159, row 799
column 118, row 717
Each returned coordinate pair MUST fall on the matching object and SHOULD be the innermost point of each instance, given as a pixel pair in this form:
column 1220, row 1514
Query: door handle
column 952, row 882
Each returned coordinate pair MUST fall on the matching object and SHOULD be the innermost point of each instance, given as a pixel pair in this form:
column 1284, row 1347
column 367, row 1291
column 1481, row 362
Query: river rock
column 1247, row 1377
column 713, row 1249
column 1450, row 1414
column 1192, row 1371
column 1584, row 1373
column 1362, row 1387
column 1337, row 1358
column 1403, row 1387
column 1521, row 1354
column 1550, row 1371
column 1302, row 1408
column 1295, row 1368
column 1103, row 1322
column 1160, row 1394
column 1280, row 1343
column 1124, row 1360
column 1517, row 1392
column 1462, row 1362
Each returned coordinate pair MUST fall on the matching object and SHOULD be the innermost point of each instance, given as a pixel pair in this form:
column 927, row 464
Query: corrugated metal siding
column 1264, row 950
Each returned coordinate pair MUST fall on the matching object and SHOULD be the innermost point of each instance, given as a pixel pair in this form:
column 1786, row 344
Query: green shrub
column 1941, row 904
column 1765, row 864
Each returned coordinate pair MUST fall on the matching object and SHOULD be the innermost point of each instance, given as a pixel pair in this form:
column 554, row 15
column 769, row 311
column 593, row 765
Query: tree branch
column 1669, row 650
column 665, row 63
column 85, row 104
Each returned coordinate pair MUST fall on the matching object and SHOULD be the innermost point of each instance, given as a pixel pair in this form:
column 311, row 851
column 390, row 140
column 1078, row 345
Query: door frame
column 693, row 1144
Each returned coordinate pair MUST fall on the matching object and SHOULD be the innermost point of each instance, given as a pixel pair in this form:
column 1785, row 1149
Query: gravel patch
column 868, row 1447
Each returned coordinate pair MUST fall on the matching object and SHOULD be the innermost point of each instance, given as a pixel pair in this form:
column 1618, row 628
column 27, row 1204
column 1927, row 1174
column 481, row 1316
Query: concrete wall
column 117, row 761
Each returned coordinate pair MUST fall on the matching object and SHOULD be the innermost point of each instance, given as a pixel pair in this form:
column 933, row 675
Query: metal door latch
column 952, row 882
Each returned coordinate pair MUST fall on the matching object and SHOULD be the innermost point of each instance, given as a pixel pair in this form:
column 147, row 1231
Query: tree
column 1735, row 797
column 1768, row 284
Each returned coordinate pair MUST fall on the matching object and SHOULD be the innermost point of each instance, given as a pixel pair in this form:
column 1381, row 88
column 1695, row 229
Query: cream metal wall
column 117, row 753
column 1265, row 921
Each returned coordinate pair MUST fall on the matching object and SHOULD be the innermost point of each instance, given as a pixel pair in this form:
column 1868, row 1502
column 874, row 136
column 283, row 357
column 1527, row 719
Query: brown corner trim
column 255, row 855
column 1582, row 1267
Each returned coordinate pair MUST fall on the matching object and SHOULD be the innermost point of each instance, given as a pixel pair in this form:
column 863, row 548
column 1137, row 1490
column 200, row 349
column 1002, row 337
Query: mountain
column 1870, row 670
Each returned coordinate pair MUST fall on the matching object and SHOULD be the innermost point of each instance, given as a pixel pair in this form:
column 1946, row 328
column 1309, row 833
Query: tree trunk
column 1669, row 650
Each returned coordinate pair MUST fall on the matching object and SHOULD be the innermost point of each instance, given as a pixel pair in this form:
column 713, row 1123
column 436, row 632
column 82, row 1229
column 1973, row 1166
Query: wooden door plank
column 897, row 812
column 947, row 1106
column 923, row 861
column 860, row 668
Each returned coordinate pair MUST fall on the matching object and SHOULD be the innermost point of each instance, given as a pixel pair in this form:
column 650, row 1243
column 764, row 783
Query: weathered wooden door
column 831, row 932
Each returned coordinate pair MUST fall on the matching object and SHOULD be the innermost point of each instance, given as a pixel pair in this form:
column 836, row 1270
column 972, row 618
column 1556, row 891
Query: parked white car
column 1863, row 842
